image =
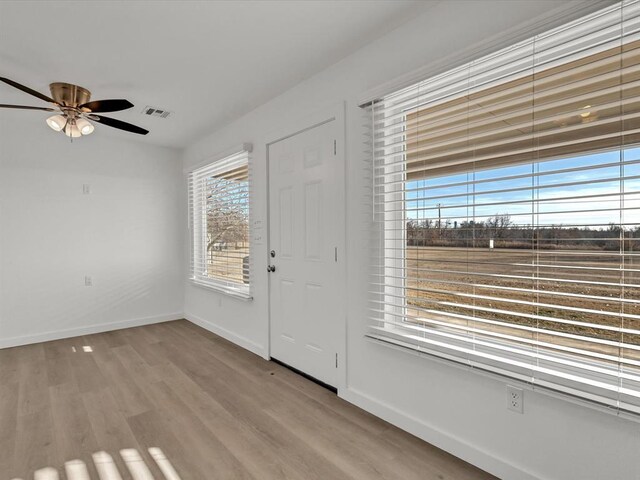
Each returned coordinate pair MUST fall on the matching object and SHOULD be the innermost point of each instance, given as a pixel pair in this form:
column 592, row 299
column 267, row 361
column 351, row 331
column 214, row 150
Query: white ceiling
column 208, row 62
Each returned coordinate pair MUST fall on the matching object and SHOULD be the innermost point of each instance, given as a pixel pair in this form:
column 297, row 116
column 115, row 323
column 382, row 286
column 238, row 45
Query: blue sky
column 424, row 195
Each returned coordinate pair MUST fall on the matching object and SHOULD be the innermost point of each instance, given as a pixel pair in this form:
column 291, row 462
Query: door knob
column 271, row 268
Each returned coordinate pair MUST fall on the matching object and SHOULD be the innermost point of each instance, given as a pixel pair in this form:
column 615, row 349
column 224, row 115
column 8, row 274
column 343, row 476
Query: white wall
column 126, row 233
column 458, row 410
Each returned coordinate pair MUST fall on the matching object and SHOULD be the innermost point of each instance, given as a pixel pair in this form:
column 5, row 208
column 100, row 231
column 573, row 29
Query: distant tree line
column 506, row 234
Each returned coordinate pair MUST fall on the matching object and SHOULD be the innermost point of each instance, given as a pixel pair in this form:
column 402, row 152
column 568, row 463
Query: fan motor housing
column 68, row 94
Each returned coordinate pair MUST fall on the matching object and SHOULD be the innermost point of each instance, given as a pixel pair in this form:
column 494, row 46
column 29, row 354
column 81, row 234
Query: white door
column 306, row 224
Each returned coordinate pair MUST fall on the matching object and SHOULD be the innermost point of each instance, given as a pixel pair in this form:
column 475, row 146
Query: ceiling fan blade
column 27, row 90
column 24, row 107
column 100, row 106
column 112, row 122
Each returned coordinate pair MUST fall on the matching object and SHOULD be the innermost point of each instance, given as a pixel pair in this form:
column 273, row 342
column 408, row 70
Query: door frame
column 289, row 129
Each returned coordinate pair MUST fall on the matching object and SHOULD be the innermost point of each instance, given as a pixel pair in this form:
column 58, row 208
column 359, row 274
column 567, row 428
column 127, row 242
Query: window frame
column 392, row 200
column 198, row 229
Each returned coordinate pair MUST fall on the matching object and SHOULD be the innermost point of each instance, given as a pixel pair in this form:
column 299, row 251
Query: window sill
column 225, row 290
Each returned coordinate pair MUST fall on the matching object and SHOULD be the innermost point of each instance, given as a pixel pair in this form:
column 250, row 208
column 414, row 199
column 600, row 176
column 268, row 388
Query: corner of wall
column 243, row 342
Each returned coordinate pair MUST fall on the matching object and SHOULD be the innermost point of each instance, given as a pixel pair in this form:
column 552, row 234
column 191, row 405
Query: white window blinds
column 507, row 211
column 219, row 207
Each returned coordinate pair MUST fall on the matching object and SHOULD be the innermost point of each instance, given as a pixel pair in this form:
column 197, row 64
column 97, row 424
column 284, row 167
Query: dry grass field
column 568, row 285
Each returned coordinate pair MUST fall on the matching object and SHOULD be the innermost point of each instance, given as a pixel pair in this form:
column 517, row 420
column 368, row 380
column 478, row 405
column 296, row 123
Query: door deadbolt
column 273, row 254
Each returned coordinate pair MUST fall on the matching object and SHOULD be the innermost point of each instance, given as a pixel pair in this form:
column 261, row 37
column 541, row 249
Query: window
column 219, row 224
column 507, row 211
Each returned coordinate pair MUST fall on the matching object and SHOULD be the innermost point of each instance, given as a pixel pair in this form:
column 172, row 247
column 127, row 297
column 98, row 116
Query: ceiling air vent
column 155, row 112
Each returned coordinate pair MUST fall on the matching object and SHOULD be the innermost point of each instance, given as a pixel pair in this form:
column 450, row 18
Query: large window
column 219, row 213
column 507, row 207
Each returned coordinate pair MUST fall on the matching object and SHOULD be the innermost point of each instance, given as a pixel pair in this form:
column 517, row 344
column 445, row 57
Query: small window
column 219, row 225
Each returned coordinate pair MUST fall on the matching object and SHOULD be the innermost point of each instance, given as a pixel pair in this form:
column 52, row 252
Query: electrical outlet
column 88, row 281
column 515, row 399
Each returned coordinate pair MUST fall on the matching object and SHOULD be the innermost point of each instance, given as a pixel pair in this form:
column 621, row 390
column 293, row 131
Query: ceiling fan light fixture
column 85, row 126
column 56, row 122
column 73, row 103
column 71, row 130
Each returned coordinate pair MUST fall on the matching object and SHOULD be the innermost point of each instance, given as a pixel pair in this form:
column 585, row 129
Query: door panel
column 287, row 299
column 304, row 233
column 313, row 221
column 286, row 223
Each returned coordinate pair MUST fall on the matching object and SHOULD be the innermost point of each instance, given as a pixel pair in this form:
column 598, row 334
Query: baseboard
column 88, row 330
column 239, row 340
column 455, row 446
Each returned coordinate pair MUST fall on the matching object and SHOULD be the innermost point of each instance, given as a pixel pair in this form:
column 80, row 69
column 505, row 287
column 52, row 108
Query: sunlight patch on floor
column 164, row 464
column 135, row 464
column 105, row 466
column 108, row 470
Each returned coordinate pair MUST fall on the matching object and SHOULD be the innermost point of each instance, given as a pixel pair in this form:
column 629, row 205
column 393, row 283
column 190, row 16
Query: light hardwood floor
column 214, row 409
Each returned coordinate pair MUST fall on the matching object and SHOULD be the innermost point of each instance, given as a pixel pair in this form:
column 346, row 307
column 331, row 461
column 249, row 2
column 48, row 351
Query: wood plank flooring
column 214, row 410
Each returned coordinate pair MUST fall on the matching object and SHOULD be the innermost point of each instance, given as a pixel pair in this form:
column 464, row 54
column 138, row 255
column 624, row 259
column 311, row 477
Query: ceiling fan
column 74, row 110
